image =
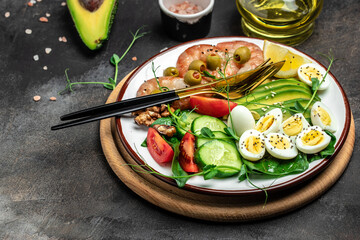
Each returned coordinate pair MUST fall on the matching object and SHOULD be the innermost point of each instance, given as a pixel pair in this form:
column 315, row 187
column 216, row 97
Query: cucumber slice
column 182, row 128
column 214, row 124
column 218, row 135
column 219, row 153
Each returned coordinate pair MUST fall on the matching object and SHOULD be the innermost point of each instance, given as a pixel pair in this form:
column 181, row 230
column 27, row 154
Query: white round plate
column 133, row 135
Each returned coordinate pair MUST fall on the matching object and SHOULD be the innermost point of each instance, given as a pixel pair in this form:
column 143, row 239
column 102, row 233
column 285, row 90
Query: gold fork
column 237, row 90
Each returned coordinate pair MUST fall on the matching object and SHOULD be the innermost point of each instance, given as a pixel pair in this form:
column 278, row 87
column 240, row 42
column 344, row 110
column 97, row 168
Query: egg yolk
column 324, row 116
column 310, row 72
column 253, row 144
column 265, row 123
column 292, row 126
column 279, row 142
column 312, row 138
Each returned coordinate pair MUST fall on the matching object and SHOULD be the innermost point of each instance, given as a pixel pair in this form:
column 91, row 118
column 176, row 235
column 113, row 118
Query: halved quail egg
column 322, row 116
column 270, row 122
column 252, row 145
column 294, row 125
column 311, row 70
column 280, row 146
column 312, row 140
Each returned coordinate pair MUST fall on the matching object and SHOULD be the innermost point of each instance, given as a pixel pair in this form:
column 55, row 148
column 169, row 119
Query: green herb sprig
column 114, row 60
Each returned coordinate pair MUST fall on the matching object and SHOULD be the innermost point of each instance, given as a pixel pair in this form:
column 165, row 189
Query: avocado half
column 93, row 20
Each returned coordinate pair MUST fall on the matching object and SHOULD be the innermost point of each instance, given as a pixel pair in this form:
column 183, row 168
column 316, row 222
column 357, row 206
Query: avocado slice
column 287, row 104
column 253, row 96
column 93, row 20
column 280, row 96
column 280, row 82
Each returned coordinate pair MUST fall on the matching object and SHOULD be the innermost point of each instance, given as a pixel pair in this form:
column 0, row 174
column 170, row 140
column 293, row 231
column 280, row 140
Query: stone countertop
column 58, row 185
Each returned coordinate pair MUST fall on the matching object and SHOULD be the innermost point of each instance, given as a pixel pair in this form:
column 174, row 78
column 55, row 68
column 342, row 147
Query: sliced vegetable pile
column 277, row 129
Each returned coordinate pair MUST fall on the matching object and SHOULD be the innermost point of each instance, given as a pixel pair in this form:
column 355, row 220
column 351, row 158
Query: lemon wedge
column 278, row 53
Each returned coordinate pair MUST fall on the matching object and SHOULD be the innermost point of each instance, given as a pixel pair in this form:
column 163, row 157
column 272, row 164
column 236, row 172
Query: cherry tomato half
column 159, row 149
column 211, row 106
column 187, row 154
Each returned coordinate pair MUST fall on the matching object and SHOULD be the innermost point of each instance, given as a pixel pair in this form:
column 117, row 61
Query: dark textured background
column 58, row 185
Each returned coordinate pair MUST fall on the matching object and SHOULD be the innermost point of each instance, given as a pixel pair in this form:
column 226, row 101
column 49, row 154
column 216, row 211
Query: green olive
column 192, row 77
column 213, row 61
column 155, row 91
column 242, row 55
column 171, row 71
column 197, row 65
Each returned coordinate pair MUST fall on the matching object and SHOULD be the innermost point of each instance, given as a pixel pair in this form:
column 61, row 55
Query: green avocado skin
column 84, row 30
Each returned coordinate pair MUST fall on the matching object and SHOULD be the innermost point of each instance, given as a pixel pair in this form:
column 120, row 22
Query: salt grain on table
column 7, row 14
column 28, row 31
column 36, row 57
column 36, row 98
column 43, row 19
column 48, row 50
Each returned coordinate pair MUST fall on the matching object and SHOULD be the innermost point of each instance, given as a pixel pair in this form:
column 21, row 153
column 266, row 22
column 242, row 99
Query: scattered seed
column 63, row 4
column 48, row 50
column 30, row 4
column 28, row 31
column 36, row 57
column 39, row 0
column 7, row 14
column 134, row 58
column 53, row 99
column 47, row 14
column 36, row 98
column 45, row 68
column 43, row 19
column 62, row 39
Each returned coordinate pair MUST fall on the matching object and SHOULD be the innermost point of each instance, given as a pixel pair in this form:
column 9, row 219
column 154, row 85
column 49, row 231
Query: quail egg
column 280, row 146
column 270, row 122
column 310, row 70
column 252, row 145
column 312, row 140
column 322, row 116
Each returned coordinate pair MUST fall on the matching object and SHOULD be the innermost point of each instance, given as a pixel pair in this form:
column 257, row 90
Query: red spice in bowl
column 185, row 7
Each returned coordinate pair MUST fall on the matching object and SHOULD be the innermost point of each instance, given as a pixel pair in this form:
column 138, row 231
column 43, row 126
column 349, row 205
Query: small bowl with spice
column 186, row 20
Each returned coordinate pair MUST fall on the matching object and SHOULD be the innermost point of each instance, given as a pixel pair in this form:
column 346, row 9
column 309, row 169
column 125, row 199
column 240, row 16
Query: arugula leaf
column 299, row 107
column 179, row 174
column 210, row 171
column 229, row 131
column 315, row 84
column 207, row 133
column 144, row 143
column 276, row 167
column 163, row 121
column 243, row 172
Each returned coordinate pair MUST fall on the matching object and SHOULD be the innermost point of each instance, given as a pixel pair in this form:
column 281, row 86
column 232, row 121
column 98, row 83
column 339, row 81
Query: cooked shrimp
column 197, row 52
column 256, row 54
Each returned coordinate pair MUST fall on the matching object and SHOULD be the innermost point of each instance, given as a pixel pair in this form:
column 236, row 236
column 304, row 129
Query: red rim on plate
column 276, row 187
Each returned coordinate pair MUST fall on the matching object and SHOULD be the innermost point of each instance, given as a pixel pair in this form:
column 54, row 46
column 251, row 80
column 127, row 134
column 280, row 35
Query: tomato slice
column 187, row 154
column 159, row 149
column 211, row 106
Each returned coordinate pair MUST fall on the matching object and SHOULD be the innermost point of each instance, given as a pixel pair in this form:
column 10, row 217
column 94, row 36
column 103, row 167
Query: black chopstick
column 116, row 109
column 122, row 105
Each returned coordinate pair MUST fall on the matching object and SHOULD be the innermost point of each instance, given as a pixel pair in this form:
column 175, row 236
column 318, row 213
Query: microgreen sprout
column 114, row 60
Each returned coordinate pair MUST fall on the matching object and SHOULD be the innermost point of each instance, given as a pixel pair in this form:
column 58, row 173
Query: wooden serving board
column 212, row 207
